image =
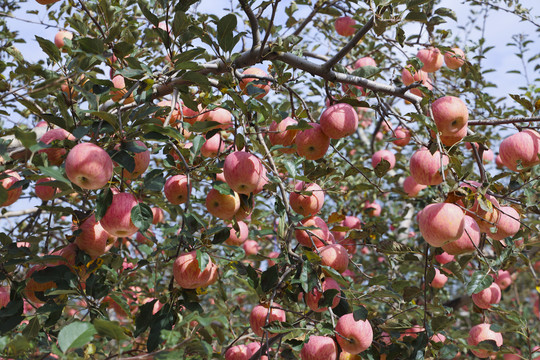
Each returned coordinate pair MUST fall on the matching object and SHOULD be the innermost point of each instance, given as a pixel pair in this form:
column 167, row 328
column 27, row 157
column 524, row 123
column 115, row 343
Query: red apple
column 523, row 146
column 444, row 258
column 313, row 297
column 238, row 352
column 334, row 256
column 313, row 143
column 353, row 336
column 409, row 76
column 213, row 146
column 4, row 296
column 319, row 236
column 503, row 279
column 508, row 224
column 441, row 223
column 487, row 297
column 55, row 155
column 468, row 241
column 258, row 83
column 319, row 348
column 454, row 58
column 251, row 247
column 221, row 205
column 222, row 116
column 402, row 135
column 365, row 61
column 339, row 120
column 450, row 114
column 120, row 90
column 254, row 347
column 432, row 59
column 411, row 187
column 482, row 332
column 498, row 162
column 176, row 189
column 92, row 239
column 60, row 36
column 438, row 338
column 89, row 166
column 438, row 280
column 158, row 215
column 242, row 171
column 279, row 135
column 307, row 205
column 13, row 193
column 117, row 219
column 257, row 317
column 46, row 192
column 345, row 26
column 383, row 154
column 451, row 139
column 425, row 167
column 32, row 286
column 372, row 209
column 141, row 159
column 237, row 238
column 188, row 275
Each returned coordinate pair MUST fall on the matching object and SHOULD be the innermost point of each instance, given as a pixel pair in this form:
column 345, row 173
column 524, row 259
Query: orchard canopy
column 248, row 179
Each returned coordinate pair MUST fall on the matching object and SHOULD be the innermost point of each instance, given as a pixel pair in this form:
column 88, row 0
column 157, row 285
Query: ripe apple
column 46, row 2
column 444, row 258
column 503, row 279
column 89, row 166
column 432, row 59
column 238, row 352
column 258, row 83
column 188, row 275
column 365, row 61
column 536, row 308
column 257, row 317
column 13, row 193
column 117, row 219
column 251, row 247
column 177, row 190
column 468, row 241
column 425, row 167
column 60, row 36
column 482, row 332
column 409, row 75
column 402, row 135
column 145, row 238
column 372, row 209
column 339, row 120
column 175, row 116
column 319, row 236
column 222, row 116
column 508, row 224
column 141, row 159
column 119, row 84
column 237, row 238
column 313, row 143
column 411, row 187
column 335, row 256
column 254, row 347
column 221, row 205
column 351, row 222
column 450, row 114
column 158, row 215
column 441, row 223
column 353, row 336
column 451, row 139
column 345, row 26
column 319, row 348
column 498, row 162
column 213, row 146
column 242, row 171
column 412, row 332
column 487, row 297
column 523, row 146
column 279, row 135
column 454, row 58
column 313, row 297
column 383, row 154
column 438, row 338
column 92, row 239
column 4, row 296
column 33, row 287
column 55, row 156
column 307, row 205
column 438, row 280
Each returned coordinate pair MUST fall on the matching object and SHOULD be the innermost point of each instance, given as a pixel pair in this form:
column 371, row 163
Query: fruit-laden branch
column 503, row 121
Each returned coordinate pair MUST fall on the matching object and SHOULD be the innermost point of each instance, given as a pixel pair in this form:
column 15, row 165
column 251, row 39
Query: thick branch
column 503, row 121
column 253, row 23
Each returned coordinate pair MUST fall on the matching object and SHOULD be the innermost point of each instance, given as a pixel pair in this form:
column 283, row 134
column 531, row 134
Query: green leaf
column 446, row 12
column 142, row 321
column 75, row 335
column 479, row 281
column 147, row 14
column 225, row 28
column 154, row 180
column 92, row 45
column 27, row 138
column 382, row 168
column 360, row 314
column 141, row 216
column 416, row 16
column 203, row 259
column 221, row 235
column 49, row 48
column 55, row 172
column 110, row 329
column 103, row 201
column 125, row 160
column 269, row 278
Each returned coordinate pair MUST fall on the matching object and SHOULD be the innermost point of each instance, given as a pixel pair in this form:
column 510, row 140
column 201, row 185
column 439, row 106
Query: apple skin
column 279, row 135
column 246, row 81
column 254, row 347
column 46, row 2
column 444, row 258
column 313, row 297
column 237, row 238
column 242, row 172
column 158, row 215
column 503, row 279
column 251, row 247
column 339, row 120
column 523, row 146
column 213, row 146
column 454, row 59
column 365, row 61
column 452, row 139
column 176, row 189
column 317, row 235
column 402, row 135
column 313, row 143
column 141, row 159
column 537, row 308
column 425, row 167
column 117, row 219
column 467, row 242
column 417, row 75
column 55, row 155
column 372, row 209
column 508, row 224
column 438, row 338
column 383, row 154
column 335, row 256
column 4, row 296
column 350, row 222
column 345, row 26
column 487, row 297
column 222, row 116
column 353, row 336
column 257, row 318
column 441, row 223
column 432, row 59
column 482, row 332
column 120, row 90
column 89, row 166
column 32, row 286
column 307, row 205
column 438, row 280
column 221, row 205
column 411, row 187
column 188, row 275
column 450, row 114
column 60, row 36
column 93, row 239
column 319, row 348
column 238, row 352
column 13, row 194
column 45, row 192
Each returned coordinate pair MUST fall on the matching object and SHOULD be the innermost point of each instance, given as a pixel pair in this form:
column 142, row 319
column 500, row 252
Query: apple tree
column 275, row 180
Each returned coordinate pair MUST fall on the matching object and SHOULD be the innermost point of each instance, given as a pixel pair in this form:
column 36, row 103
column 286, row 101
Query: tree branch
column 253, row 23
column 503, row 121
